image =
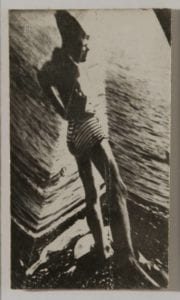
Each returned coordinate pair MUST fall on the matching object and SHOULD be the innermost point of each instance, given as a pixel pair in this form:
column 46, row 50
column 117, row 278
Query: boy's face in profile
column 80, row 50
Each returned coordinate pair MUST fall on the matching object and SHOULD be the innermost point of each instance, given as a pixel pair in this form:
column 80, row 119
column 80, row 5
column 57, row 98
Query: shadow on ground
column 62, row 271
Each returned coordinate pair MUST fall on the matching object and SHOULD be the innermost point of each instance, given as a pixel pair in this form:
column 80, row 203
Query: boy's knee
column 118, row 202
column 93, row 208
column 91, row 196
column 117, row 183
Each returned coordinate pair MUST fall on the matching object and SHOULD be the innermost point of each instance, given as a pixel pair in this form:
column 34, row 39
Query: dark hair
column 57, row 52
column 69, row 28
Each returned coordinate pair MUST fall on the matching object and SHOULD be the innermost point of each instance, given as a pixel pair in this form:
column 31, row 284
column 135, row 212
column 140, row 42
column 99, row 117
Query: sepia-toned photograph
column 90, row 100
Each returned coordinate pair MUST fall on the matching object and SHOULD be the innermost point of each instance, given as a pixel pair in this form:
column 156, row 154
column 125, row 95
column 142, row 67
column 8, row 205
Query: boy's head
column 74, row 38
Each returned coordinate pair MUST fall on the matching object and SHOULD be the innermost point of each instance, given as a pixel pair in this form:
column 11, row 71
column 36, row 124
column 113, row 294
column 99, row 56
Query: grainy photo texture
column 90, row 125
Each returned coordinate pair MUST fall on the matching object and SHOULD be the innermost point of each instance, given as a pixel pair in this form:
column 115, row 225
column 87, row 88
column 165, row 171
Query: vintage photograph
column 90, row 99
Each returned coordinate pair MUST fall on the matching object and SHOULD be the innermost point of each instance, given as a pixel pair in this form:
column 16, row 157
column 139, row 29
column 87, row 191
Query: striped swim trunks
column 83, row 134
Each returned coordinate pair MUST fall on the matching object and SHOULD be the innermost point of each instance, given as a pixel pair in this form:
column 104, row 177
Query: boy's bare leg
column 104, row 161
column 93, row 209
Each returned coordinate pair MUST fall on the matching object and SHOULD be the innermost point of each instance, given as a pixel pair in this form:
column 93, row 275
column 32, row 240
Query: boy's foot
column 102, row 255
column 154, row 269
column 131, row 265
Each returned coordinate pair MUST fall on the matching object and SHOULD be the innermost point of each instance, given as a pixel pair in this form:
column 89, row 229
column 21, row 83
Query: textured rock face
column 45, row 187
column 45, row 183
column 37, row 132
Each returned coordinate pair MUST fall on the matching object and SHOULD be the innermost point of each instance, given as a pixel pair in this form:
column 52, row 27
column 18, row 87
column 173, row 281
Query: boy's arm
column 56, row 97
column 52, row 93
